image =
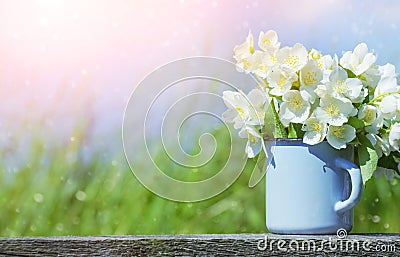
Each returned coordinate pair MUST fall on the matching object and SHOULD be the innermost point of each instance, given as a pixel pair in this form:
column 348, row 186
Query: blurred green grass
column 59, row 193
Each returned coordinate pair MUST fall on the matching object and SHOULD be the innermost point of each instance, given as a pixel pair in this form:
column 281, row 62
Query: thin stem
column 381, row 96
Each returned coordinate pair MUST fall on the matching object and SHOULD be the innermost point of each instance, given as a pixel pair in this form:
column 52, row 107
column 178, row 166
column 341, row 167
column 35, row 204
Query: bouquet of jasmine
column 347, row 101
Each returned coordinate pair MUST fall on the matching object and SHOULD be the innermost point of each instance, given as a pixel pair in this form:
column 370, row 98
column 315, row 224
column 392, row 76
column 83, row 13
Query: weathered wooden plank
column 204, row 245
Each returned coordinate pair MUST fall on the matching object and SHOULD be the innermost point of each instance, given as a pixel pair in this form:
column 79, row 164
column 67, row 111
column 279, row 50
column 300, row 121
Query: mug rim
column 283, row 139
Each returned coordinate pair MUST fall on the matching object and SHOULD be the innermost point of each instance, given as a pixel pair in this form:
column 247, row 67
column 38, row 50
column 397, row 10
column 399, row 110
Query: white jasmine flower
column 380, row 143
column 315, row 131
column 324, row 62
column 254, row 144
column 245, row 48
column 237, row 108
column 292, row 58
column 243, row 54
column 339, row 136
column 261, row 63
column 314, row 54
column 244, row 110
column 370, row 114
column 387, row 71
column 280, row 81
column 371, row 77
column 334, row 111
column 321, row 92
column 390, row 107
column 310, row 77
column 383, row 145
column 293, row 108
column 254, row 140
column 258, row 104
column 388, row 81
column 268, row 41
column 359, row 60
column 340, row 86
column 394, row 136
column 329, row 64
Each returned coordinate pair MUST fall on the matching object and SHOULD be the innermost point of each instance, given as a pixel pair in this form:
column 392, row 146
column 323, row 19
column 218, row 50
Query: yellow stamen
column 282, row 81
column 310, row 78
column 296, row 103
column 316, row 55
column 251, row 49
column 292, row 61
column 267, row 41
column 338, row 132
column 246, row 63
column 369, row 115
column 341, row 87
column 252, row 138
column 332, row 110
column 263, row 67
column 240, row 111
column 316, row 125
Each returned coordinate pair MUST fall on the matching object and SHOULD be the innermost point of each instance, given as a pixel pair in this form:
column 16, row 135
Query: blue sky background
column 63, row 63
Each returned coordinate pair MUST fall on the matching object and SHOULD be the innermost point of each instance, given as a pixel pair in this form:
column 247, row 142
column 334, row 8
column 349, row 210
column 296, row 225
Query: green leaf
column 269, row 124
column 350, row 74
column 299, row 131
column 262, row 158
column 259, row 169
column 355, row 141
column 292, row 131
column 356, row 123
column 279, row 130
column 367, row 157
column 295, row 130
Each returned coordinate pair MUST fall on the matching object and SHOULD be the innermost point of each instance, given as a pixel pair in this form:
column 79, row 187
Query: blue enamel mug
column 311, row 189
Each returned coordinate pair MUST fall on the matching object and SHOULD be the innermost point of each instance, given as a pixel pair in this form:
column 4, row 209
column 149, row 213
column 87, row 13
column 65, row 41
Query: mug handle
column 356, row 185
